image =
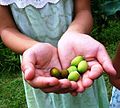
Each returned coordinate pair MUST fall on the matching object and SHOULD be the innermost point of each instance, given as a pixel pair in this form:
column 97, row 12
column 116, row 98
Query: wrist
column 74, row 31
column 79, row 29
column 29, row 45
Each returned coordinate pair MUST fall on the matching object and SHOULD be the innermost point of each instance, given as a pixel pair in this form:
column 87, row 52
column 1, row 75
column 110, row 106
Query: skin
column 115, row 80
column 94, row 53
column 35, row 65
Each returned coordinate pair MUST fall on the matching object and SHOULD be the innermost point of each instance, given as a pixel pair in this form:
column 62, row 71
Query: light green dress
column 47, row 24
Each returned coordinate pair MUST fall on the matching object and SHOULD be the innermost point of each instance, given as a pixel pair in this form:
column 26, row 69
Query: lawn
column 11, row 86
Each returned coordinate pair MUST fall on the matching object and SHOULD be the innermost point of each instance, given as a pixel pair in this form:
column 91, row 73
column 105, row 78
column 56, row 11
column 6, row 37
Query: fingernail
column 27, row 72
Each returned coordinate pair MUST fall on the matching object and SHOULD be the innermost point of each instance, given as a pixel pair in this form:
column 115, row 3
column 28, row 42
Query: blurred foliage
column 106, row 7
column 103, row 9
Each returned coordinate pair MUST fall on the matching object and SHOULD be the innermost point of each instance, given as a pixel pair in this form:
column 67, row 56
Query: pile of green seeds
column 77, row 67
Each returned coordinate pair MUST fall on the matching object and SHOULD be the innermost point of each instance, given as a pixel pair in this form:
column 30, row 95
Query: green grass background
column 11, row 85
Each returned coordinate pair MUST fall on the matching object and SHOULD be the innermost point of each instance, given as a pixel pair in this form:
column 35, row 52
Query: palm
column 43, row 57
column 36, row 64
column 73, row 44
column 37, row 61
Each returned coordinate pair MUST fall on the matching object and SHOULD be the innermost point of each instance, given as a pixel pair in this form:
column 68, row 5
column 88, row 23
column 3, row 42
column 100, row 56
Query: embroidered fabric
column 24, row 3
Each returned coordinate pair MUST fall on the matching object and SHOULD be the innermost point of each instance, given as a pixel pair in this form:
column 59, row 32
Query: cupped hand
column 36, row 64
column 72, row 44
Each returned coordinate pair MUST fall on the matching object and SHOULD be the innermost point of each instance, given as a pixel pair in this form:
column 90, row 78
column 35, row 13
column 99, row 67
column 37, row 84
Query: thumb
column 105, row 61
column 28, row 70
column 28, row 66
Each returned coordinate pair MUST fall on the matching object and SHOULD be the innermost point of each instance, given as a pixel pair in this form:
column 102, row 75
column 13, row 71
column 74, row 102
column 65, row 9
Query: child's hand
column 36, row 64
column 72, row 44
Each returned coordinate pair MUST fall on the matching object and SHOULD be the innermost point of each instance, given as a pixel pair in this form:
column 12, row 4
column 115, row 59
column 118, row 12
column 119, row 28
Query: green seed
column 73, row 76
column 77, row 60
column 55, row 72
column 72, row 68
column 64, row 73
column 82, row 66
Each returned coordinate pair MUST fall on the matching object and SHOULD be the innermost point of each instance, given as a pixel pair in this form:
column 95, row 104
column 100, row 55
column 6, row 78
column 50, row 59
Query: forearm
column 15, row 40
column 9, row 34
column 83, row 21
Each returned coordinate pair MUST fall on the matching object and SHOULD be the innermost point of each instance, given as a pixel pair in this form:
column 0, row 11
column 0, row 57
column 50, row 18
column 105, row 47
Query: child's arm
column 75, row 42
column 37, row 60
column 11, row 37
column 83, row 21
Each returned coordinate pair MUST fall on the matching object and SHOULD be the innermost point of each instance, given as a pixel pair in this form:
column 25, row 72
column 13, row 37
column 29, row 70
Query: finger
column 28, row 65
column 65, row 83
column 80, row 86
column 69, row 88
column 28, row 69
column 86, row 81
column 95, row 72
column 65, row 86
column 29, row 74
column 105, row 61
column 43, row 82
column 74, row 85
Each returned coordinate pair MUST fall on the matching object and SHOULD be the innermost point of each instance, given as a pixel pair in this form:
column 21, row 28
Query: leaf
column 110, row 7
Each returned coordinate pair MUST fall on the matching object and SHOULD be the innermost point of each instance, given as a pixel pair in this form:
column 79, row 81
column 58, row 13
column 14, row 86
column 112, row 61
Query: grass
column 11, row 85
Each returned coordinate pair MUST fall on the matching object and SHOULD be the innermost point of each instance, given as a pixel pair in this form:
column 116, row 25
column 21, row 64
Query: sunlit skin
column 36, row 65
column 74, row 43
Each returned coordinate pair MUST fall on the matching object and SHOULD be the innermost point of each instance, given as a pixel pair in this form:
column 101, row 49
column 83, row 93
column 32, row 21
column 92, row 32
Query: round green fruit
column 74, row 76
column 54, row 72
column 72, row 68
column 64, row 73
column 82, row 66
column 77, row 60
